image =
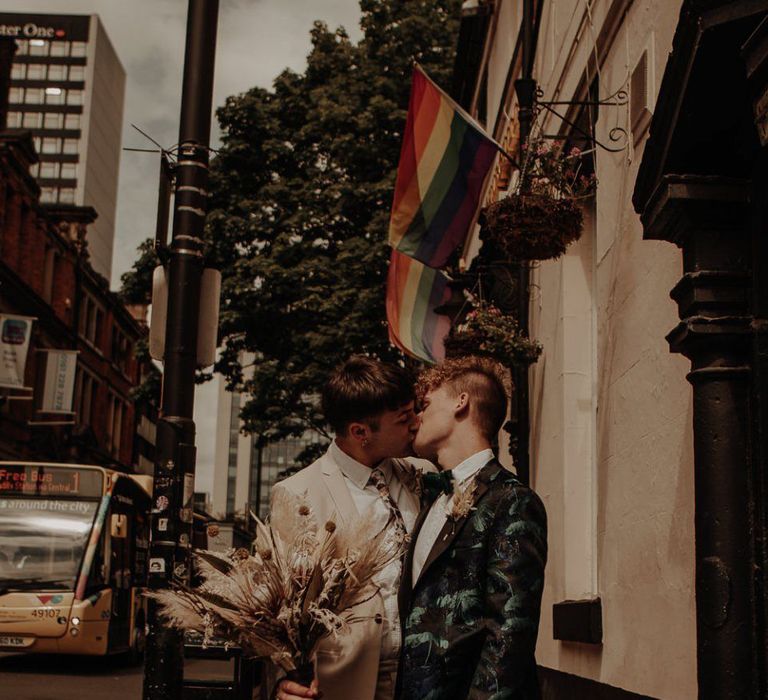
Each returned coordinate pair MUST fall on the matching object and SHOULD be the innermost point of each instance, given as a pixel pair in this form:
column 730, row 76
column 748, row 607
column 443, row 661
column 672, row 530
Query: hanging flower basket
column 488, row 332
column 542, row 217
column 532, row 226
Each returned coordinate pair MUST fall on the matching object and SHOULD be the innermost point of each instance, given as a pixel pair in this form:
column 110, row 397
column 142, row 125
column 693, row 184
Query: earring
column 365, row 442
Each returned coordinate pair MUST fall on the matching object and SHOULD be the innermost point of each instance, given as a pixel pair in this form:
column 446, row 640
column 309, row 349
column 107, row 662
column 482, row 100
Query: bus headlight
column 75, row 620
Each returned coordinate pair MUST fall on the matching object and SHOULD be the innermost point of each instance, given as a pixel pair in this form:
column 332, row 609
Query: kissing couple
column 457, row 617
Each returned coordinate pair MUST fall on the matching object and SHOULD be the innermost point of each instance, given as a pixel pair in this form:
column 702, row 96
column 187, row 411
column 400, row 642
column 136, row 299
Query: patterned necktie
column 378, row 480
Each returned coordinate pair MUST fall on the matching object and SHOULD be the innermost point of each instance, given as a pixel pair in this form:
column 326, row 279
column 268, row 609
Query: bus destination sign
column 47, row 480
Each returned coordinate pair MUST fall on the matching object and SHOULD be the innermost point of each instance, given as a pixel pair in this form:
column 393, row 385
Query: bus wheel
column 139, row 641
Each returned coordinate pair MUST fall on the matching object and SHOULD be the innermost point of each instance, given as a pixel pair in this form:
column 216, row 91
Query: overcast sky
column 256, row 40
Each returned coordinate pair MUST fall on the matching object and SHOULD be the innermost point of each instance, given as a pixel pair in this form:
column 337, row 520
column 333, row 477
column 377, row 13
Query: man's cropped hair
column 480, row 377
column 362, row 389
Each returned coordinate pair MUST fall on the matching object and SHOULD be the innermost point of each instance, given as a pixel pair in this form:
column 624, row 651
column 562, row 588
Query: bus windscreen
column 42, row 541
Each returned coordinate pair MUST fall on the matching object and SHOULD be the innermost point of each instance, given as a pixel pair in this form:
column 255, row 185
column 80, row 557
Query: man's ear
column 360, row 432
column 461, row 407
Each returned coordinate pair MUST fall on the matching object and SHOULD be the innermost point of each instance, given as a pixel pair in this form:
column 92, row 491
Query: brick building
column 45, row 273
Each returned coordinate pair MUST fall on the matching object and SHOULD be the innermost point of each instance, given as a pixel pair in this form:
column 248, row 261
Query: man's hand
column 288, row 690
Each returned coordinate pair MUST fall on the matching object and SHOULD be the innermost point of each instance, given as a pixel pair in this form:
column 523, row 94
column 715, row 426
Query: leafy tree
column 136, row 284
column 301, row 195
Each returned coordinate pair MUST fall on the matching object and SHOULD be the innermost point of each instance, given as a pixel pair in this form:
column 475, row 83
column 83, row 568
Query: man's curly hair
column 480, row 377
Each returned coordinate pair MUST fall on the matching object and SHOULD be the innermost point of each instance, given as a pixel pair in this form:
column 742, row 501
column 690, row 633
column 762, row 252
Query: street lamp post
column 175, row 462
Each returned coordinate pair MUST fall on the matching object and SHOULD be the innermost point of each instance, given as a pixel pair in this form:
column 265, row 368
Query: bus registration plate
column 16, row 642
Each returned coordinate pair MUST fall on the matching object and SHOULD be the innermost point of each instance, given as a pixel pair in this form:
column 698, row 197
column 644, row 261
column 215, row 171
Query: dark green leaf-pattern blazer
column 470, row 623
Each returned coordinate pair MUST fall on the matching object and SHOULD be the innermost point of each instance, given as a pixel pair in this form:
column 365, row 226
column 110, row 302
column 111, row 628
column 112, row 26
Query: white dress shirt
column 367, row 499
column 438, row 512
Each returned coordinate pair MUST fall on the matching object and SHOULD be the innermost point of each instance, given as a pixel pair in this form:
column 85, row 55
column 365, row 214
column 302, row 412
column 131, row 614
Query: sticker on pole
column 157, row 565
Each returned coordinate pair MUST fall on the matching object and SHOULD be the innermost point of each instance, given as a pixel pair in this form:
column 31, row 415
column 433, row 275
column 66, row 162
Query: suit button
column 378, row 619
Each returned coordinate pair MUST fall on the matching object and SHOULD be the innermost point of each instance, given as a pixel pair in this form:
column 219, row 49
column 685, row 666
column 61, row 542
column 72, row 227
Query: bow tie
column 435, row 483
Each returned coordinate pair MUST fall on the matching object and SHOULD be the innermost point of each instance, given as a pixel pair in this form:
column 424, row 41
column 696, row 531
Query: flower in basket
column 294, row 588
column 488, row 332
column 541, row 218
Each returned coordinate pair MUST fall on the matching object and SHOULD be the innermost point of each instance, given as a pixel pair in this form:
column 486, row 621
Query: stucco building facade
column 616, row 434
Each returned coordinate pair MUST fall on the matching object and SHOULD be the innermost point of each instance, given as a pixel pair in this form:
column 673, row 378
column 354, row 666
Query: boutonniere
column 462, row 502
column 410, row 477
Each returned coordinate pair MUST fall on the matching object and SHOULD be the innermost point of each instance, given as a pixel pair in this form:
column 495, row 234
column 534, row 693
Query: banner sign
column 15, row 332
column 59, row 381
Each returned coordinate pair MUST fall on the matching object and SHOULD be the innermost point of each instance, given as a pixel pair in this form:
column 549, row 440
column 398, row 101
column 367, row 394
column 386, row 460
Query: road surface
column 44, row 677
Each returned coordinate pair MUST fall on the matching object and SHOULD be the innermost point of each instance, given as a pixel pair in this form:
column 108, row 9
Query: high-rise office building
column 243, row 473
column 68, row 89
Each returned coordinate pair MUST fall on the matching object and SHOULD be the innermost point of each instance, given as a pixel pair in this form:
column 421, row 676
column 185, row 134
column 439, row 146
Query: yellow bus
column 73, row 559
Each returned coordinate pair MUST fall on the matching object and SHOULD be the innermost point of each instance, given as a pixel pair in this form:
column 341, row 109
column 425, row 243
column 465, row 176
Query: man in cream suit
column 370, row 407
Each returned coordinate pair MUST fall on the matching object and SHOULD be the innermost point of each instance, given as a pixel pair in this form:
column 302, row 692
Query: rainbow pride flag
column 445, row 160
column 413, row 292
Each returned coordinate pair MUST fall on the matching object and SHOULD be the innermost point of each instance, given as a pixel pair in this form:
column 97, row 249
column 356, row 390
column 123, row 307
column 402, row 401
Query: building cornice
column 697, row 19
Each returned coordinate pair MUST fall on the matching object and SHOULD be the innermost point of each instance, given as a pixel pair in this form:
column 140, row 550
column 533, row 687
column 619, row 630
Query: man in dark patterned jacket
column 471, row 589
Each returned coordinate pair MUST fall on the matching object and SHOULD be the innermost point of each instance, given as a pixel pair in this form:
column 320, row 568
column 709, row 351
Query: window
column 68, row 171
column 70, row 146
column 23, row 47
column 38, row 142
column 50, row 266
column 49, row 170
column 34, row 96
column 48, row 194
column 234, row 432
column 18, row 71
column 86, row 387
column 90, row 321
column 67, row 195
column 77, row 73
column 33, row 120
column 14, row 120
column 82, row 321
column 56, row 71
column 16, row 95
column 98, row 323
column 54, row 96
column 51, row 145
column 74, row 97
column 36, row 71
column 121, row 349
column 72, row 121
column 38, row 47
column 115, row 425
column 59, row 48
column 79, row 48
column 53, row 120
column 34, row 170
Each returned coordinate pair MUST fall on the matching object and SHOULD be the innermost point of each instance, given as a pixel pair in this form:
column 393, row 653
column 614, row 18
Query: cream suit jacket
column 347, row 668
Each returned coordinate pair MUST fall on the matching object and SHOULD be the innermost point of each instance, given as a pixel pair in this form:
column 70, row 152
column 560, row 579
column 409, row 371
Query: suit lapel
column 406, row 587
column 451, row 529
column 338, row 491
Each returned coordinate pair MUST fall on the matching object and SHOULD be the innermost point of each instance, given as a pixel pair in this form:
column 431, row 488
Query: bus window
column 97, row 576
column 43, row 540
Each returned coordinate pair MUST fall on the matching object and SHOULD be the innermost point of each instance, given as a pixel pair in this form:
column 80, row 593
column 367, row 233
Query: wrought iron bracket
column 617, row 135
